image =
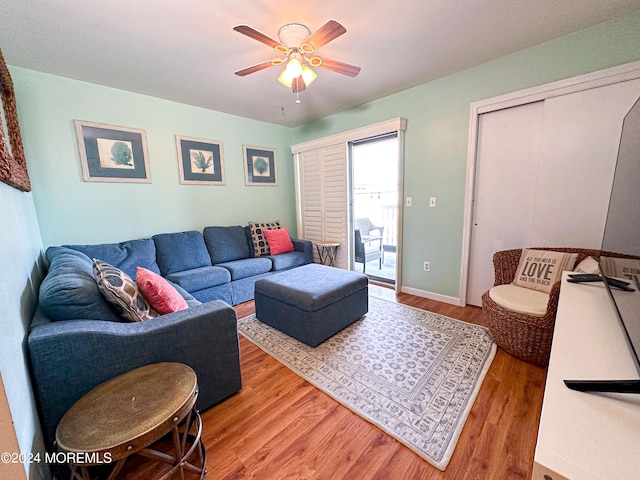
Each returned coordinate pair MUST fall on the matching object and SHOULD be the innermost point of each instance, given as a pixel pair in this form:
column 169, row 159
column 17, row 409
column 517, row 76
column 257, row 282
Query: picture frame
column 201, row 161
column 110, row 153
column 259, row 166
column 13, row 164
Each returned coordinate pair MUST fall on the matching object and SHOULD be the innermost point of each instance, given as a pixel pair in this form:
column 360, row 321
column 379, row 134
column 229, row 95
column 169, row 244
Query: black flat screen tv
column 620, row 253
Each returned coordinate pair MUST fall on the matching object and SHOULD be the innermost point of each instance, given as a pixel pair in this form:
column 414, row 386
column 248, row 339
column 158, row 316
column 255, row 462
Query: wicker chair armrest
column 552, row 304
column 505, row 264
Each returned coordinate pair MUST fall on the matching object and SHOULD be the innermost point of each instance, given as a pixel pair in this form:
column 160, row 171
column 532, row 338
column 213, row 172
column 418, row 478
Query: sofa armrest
column 305, row 246
column 69, row 358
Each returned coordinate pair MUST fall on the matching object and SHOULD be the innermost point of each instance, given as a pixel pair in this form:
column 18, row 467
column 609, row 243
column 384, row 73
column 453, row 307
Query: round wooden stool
column 128, row 413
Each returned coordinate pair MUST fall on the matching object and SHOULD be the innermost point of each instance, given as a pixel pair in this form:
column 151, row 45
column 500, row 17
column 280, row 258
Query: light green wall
column 20, row 275
column 70, row 210
column 73, row 211
column 438, row 130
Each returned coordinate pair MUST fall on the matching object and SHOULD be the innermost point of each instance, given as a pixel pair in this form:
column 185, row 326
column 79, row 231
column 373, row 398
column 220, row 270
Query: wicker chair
column 526, row 337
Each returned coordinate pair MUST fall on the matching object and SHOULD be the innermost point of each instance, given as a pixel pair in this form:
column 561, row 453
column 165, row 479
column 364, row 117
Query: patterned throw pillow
column 540, row 269
column 122, row 292
column 260, row 243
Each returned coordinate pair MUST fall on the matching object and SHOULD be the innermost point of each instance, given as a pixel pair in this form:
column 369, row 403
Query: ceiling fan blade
column 261, row 37
column 297, row 85
column 335, row 66
column 329, row 31
column 254, row 68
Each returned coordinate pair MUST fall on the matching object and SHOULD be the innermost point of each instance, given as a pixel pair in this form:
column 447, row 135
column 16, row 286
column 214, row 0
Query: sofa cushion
column 260, row 244
column 540, row 269
column 279, row 240
column 176, row 252
column 247, row 267
column 126, row 256
column 122, row 292
column 200, row 278
column 160, row 294
column 226, row 244
column 520, row 299
column 70, row 292
column 288, row 260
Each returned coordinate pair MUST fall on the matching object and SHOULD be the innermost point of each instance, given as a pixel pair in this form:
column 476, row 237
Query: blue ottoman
column 312, row 302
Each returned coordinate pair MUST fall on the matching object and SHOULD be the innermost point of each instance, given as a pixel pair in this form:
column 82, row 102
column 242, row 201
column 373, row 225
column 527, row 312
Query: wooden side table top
column 128, row 412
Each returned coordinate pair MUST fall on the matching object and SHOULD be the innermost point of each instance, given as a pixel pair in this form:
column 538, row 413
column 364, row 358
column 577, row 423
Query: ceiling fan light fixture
column 308, row 75
column 285, row 79
column 294, row 68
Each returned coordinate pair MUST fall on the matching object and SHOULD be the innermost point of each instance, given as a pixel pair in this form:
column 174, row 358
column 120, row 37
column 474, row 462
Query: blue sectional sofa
column 77, row 340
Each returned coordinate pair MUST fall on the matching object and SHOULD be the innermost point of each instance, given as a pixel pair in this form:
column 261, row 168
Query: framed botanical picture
column 259, row 166
column 200, row 161
column 112, row 154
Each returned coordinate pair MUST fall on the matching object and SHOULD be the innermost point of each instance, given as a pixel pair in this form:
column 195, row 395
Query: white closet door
column 581, row 136
column 544, row 174
column 509, row 143
column 323, row 213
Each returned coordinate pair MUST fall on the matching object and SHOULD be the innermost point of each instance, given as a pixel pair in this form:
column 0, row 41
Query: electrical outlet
column 408, row 201
column 427, row 266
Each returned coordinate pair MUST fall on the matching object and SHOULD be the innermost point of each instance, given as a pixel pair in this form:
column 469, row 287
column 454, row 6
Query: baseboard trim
column 432, row 296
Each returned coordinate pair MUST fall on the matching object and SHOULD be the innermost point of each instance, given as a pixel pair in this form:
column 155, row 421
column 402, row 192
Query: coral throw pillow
column 279, row 240
column 160, row 294
column 260, row 243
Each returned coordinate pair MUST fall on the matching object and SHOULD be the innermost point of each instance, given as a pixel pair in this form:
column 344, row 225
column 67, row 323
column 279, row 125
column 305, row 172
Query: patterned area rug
column 413, row 373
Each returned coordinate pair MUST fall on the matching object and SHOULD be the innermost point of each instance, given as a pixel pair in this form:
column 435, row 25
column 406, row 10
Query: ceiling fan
column 299, row 47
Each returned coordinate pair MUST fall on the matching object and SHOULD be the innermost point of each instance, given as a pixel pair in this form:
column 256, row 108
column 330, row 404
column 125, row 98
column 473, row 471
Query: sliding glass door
column 374, row 194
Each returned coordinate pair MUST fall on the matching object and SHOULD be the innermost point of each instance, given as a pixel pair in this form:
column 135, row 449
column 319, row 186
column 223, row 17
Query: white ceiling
column 186, row 51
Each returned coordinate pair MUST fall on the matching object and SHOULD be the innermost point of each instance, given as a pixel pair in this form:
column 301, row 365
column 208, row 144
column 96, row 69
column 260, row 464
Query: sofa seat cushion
column 126, row 256
column 247, row 267
column 200, row 278
column 520, row 299
column 284, row 261
column 226, row 244
column 177, row 252
column 70, row 292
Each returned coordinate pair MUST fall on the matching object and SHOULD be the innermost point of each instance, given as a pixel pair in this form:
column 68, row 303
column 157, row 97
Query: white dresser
column 585, row 436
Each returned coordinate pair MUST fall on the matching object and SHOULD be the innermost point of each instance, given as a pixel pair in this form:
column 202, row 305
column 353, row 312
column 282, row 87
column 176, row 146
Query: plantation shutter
column 323, row 183
column 322, row 205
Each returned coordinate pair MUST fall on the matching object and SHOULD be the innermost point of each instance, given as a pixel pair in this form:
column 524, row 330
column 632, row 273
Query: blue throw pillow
column 126, row 256
column 226, row 244
column 176, row 252
column 70, row 292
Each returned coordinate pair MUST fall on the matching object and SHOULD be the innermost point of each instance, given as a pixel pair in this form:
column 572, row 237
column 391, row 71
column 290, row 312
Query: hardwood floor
column 281, row 427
